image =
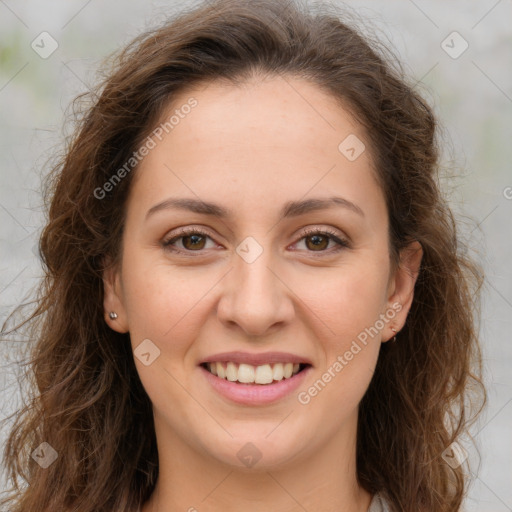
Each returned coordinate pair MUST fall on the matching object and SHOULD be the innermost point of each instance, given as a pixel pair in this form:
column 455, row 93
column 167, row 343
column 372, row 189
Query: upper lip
column 256, row 359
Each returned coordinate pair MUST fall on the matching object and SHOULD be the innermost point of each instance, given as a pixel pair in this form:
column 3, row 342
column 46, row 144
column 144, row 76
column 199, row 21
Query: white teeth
column 221, row 372
column 245, row 373
column 263, row 374
column 278, row 371
column 231, row 372
column 249, row 374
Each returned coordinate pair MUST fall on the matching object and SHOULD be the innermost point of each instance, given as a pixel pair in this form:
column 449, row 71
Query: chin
column 257, row 452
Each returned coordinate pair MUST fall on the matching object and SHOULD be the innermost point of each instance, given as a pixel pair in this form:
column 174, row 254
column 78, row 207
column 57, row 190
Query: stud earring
column 394, row 332
column 112, row 315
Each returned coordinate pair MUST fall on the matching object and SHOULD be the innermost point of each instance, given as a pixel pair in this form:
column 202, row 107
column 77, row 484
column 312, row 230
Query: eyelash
column 342, row 243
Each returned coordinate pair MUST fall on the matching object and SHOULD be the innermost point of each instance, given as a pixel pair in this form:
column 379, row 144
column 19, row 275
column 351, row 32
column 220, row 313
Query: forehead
column 262, row 107
column 268, row 140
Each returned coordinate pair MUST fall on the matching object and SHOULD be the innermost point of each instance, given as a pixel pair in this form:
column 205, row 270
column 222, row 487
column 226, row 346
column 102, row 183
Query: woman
column 254, row 296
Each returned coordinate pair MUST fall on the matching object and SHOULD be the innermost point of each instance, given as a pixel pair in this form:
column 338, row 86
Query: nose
column 256, row 297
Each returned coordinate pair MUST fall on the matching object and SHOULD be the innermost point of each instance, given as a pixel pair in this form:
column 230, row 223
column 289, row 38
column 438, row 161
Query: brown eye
column 317, row 242
column 192, row 242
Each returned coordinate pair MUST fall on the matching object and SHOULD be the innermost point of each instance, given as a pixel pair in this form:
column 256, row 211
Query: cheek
column 346, row 299
column 163, row 303
column 349, row 304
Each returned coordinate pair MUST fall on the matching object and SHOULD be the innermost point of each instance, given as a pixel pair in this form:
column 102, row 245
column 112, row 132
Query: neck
column 324, row 479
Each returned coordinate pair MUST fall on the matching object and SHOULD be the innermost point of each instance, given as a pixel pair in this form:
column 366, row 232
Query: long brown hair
column 88, row 402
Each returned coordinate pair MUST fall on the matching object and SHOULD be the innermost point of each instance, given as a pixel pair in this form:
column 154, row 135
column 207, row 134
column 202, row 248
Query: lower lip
column 255, row 394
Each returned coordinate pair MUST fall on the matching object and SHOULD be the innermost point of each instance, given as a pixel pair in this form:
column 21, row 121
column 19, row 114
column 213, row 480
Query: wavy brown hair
column 87, row 400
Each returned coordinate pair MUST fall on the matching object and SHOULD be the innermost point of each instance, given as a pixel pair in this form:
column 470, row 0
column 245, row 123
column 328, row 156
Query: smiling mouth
column 248, row 374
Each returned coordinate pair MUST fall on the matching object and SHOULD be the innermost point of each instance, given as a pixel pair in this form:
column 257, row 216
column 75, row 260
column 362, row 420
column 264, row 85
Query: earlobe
column 113, row 306
column 402, row 285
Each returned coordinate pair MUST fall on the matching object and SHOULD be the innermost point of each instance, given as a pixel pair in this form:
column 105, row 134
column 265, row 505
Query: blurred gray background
column 460, row 54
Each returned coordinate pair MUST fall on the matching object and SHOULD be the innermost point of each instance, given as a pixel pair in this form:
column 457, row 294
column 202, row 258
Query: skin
column 252, row 148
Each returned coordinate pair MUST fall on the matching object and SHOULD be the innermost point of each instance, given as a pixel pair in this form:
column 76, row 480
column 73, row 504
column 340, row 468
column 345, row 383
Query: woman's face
column 290, row 265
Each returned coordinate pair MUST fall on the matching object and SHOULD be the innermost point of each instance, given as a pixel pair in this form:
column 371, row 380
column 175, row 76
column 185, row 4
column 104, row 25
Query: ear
column 401, row 287
column 113, row 298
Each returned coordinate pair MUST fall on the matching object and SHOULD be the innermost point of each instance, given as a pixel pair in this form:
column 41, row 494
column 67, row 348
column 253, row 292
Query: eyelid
column 182, row 232
column 341, row 240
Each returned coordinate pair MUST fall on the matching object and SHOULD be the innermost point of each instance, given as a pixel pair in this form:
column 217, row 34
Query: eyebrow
column 290, row 209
